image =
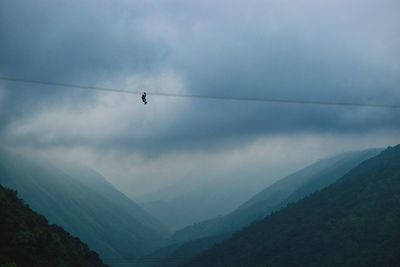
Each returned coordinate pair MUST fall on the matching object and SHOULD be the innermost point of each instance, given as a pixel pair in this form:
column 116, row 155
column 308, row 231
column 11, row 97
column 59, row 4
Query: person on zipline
column 144, row 98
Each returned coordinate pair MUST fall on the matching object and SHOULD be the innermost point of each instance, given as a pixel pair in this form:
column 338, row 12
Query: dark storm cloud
column 302, row 50
column 70, row 42
column 69, row 39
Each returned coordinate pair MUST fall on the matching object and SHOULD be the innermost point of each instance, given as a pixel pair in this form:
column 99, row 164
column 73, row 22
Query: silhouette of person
column 144, row 98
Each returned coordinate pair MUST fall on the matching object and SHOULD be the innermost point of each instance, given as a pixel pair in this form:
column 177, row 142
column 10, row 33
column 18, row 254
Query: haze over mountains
column 284, row 191
column 192, row 240
column 353, row 222
column 86, row 205
column 83, row 203
column 239, row 94
column 28, row 241
column 195, row 199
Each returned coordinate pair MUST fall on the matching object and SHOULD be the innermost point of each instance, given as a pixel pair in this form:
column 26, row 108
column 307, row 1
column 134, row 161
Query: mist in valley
column 206, row 156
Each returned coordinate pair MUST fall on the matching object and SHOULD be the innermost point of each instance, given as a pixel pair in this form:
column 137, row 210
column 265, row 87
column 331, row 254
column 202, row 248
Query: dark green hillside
column 354, row 222
column 284, row 191
column 28, row 240
column 84, row 204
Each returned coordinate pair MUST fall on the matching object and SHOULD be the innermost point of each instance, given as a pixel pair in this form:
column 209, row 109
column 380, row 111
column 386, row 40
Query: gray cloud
column 307, row 50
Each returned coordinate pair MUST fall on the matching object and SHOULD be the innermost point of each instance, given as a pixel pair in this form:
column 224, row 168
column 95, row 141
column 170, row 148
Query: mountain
column 201, row 236
column 177, row 254
column 188, row 208
column 85, row 204
column 279, row 194
column 195, row 199
column 27, row 240
column 353, row 222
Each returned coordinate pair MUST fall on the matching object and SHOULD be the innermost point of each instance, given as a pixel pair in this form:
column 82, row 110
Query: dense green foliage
column 354, row 222
column 84, row 204
column 286, row 190
column 28, row 240
column 279, row 194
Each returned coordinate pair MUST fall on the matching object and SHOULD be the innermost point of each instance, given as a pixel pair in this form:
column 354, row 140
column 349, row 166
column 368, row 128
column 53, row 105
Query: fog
column 302, row 50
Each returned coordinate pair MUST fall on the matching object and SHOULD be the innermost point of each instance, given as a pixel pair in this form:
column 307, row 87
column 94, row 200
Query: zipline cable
column 215, row 97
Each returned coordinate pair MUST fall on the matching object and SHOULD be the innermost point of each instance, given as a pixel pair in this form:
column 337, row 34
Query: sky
column 343, row 51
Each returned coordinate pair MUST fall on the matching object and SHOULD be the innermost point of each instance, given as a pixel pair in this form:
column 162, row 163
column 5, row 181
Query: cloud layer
column 304, row 50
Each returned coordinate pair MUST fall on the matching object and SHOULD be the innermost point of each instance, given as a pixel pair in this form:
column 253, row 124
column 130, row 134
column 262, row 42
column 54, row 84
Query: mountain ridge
column 85, row 204
column 353, row 222
column 276, row 195
column 28, row 240
column 289, row 189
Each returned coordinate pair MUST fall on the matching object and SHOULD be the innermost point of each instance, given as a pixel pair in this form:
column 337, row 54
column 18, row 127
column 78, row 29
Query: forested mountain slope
column 354, row 222
column 279, row 194
column 83, row 203
column 287, row 190
column 27, row 240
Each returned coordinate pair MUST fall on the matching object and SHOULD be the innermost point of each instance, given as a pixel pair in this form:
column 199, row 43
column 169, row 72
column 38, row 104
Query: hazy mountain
column 195, row 199
column 353, row 222
column 199, row 237
column 85, row 204
column 177, row 254
column 186, row 209
column 27, row 240
column 279, row 194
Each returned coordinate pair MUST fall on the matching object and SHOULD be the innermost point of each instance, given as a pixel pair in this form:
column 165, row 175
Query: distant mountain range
column 354, row 222
column 27, row 240
column 195, row 199
column 85, row 204
column 284, row 191
column 199, row 237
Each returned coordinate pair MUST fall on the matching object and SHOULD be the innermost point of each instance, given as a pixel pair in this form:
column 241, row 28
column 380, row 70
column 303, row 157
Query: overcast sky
column 299, row 50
